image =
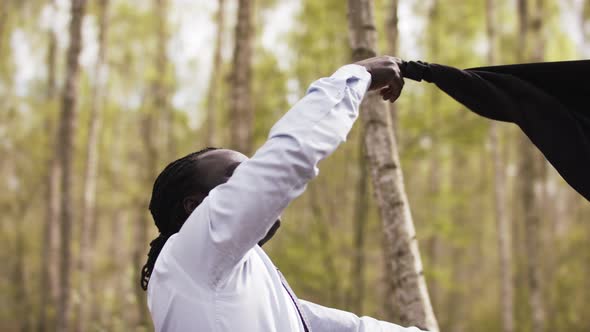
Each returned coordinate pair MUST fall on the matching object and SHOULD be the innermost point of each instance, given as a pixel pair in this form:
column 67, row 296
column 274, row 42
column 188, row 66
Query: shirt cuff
column 356, row 74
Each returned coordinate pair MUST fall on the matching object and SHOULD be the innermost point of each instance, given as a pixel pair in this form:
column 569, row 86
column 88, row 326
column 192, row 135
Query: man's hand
column 385, row 75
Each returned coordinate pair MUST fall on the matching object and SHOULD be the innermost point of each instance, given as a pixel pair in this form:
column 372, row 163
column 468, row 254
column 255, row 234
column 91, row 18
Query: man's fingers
column 386, row 93
column 394, row 89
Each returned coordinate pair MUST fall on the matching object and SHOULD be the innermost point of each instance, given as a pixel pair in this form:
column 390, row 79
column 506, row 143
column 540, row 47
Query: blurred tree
column 435, row 168
column 532, row 47
column 49, row 286
column 214, row 95
column 392, row 34
column 157, row 118
column 19, row 279
column 161, row 86
column 500, row 201
column 240, row 109
column 361, row 212
column 86, row 253
column 3, row 25
column 411, row 293
column 65, row 138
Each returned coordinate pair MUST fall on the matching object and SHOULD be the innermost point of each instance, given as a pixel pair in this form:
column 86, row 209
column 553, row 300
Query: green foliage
column 270, row 89
column 320, row 41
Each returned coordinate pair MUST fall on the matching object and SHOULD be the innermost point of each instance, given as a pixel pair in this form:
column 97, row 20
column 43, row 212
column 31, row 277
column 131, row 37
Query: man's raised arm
column 237, row 214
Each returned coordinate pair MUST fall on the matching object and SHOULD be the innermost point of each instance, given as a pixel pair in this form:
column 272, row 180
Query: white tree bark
column 411, row 294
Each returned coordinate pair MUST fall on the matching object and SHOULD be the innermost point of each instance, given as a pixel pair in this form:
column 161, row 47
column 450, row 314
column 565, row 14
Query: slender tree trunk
column 161, row 86
column 215, row 80
column 521, row 310
column 119, row 250
column 241, row 108
column 22, row 298
column 530, row 170
column 458, row 259
column 49, row 248
column 67, row 130
column 357, row 290
column 410, row 293
column 4, row 7
column 500, row 202
column 86, row 257
column 532, row 213
column 435, row 246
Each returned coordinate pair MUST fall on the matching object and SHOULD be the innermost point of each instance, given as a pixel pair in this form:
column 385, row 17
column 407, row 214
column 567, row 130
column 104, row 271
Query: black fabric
column 548, row 101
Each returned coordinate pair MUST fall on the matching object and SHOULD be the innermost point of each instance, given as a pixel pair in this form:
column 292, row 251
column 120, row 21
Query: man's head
column 181, row 187
column 184, row 183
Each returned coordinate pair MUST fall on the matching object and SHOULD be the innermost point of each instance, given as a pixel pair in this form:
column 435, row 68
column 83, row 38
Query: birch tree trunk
column 241, row 109
column 49, row 248
column 66, row 133
column 500, row 202
column 86, row 257
column 215, row 80
column 407, row 275
column 530, row 170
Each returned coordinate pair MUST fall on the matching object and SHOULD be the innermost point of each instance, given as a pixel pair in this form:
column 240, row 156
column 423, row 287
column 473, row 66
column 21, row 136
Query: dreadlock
column 178, row 180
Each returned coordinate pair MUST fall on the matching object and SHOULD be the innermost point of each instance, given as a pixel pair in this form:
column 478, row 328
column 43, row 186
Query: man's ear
column 191, row 202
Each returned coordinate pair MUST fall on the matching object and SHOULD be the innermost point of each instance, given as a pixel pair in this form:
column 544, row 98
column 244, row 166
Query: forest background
column 503, row 240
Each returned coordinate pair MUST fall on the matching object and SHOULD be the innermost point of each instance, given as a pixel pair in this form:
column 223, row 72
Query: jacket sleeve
column 324, row 319
column 238, row 214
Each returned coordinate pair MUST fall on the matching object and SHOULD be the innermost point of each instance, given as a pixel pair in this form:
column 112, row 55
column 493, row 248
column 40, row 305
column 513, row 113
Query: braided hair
column 178, row 180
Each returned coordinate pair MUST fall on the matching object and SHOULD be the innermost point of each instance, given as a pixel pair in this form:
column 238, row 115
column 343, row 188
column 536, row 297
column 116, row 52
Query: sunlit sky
column 191, row 45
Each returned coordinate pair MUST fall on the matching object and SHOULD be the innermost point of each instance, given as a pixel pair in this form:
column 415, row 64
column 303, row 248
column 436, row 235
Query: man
column 215, row 208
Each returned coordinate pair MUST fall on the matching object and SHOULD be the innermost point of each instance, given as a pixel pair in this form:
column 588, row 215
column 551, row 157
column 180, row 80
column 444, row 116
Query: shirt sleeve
column 323, row 319
column 239, row 213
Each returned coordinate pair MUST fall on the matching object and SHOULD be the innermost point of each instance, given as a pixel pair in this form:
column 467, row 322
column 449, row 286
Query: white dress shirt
column 212, row 275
